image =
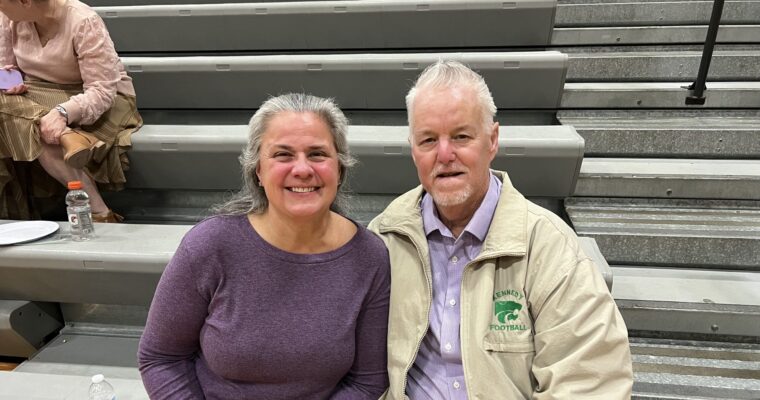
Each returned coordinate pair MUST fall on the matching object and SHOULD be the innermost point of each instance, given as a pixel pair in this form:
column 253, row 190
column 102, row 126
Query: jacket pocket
column 508, row 343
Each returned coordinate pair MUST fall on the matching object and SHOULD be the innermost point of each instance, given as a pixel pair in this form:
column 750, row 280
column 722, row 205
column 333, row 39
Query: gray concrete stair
column 643, row 13
column 655, row 34
column 649, row 64
column 682, row 233
column 676, row 134
column 669, row 178
column 658, row 95
column 681, row 369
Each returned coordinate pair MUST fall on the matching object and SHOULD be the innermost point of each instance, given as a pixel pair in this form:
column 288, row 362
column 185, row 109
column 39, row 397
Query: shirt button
column 452, row 302
column 454, row 259
column 447, row 347
column 457, row 385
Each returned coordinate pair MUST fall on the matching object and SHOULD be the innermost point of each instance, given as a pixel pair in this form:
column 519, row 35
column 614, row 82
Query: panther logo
column 506, row 310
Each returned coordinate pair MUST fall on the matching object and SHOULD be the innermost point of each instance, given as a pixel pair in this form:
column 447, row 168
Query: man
column 491, row 295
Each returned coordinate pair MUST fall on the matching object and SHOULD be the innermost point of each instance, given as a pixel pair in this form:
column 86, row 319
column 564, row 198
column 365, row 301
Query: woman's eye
column 281, row 154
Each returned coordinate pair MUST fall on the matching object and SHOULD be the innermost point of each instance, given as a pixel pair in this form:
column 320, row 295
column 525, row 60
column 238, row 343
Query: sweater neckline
column 297, row 258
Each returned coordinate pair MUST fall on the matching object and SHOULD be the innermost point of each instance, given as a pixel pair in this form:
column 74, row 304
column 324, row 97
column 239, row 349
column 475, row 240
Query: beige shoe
column 78, row 147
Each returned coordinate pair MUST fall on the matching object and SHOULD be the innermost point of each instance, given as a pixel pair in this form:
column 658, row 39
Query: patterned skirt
column 23, row 182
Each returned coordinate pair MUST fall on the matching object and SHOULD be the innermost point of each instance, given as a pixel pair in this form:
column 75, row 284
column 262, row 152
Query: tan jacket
column 537, row 321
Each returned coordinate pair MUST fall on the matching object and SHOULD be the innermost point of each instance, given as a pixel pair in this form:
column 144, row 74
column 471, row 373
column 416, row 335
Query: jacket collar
column 506, row 236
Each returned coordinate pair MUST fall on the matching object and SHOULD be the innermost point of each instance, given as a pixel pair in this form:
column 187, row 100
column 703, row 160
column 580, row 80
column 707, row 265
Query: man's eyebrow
column 458, row 129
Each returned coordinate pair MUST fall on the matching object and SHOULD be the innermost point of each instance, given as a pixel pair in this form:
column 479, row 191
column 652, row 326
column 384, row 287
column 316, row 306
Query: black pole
column 697, row 88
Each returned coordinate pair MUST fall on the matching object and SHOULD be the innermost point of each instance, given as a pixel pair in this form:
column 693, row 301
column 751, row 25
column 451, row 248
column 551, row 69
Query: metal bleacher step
column 108, row 3
column 666, row 64
column 543, row 160
column 654, row 34
column 669, row 178
column 667, row 133
column 717, row 234
column 170, row 180
column 329, row 25
column 577, row 13
column 534, row 79
column 121, row 267
column 658, row 95
column 694, row 370
column 16, row 385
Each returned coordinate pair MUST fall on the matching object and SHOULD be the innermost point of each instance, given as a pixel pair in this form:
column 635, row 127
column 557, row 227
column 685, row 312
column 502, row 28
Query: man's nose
column 445, row 152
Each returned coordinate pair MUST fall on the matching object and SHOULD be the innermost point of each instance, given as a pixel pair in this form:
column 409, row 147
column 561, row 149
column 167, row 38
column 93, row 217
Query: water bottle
column 80, row 216
column 100, row 389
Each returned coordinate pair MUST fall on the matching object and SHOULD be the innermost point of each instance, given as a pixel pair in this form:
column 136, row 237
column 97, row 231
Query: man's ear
column 410, row 139
column 494, row 137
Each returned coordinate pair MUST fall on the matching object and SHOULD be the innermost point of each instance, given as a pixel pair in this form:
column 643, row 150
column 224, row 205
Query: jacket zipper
column 430, row 297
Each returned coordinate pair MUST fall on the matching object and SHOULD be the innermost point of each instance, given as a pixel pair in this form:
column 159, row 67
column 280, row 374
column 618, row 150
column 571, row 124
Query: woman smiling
column 280, row 296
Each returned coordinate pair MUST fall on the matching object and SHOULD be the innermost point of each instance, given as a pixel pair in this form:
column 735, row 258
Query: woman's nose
column 301, row 167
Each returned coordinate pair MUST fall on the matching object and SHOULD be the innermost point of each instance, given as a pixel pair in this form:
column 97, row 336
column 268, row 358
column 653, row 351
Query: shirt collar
column 480, row 222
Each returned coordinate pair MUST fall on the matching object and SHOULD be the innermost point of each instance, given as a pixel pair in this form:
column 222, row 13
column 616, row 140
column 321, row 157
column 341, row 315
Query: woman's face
column 298, row 165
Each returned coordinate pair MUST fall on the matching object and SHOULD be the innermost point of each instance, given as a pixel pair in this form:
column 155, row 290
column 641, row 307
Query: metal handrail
column 697, row 89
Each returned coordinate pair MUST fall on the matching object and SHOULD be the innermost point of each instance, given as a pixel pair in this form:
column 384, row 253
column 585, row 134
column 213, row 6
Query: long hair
column 251, row 198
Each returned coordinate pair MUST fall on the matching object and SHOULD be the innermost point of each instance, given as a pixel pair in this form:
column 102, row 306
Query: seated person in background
column 491, row 297
column 280, row 296
column 75, row 111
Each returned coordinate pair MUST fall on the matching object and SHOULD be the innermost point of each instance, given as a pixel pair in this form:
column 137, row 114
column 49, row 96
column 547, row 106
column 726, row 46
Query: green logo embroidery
column 506, row 311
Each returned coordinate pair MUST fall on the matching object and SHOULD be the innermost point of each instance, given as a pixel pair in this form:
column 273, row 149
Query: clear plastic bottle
column 80, row 215
column 100, row 389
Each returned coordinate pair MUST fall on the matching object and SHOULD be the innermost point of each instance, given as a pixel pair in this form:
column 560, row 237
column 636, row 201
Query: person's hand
column 18, row 89
column 52, row 126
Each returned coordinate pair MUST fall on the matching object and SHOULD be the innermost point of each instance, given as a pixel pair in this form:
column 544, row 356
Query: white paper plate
column 25, row 231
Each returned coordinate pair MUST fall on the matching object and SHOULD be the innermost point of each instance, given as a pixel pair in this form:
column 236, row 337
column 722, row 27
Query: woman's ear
column 258, row 177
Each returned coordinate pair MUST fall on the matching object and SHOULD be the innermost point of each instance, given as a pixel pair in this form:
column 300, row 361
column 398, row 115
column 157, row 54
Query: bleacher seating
column 535, row 79
column 376, row 24
column 542, row 161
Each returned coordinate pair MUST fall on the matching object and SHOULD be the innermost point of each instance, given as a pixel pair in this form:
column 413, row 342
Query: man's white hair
column 446, row 74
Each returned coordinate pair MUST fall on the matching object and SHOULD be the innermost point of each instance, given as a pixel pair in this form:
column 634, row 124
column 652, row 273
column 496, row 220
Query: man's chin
column 450, row 199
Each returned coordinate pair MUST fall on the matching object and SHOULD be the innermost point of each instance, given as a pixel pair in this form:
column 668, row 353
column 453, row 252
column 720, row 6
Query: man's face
column 452, row 147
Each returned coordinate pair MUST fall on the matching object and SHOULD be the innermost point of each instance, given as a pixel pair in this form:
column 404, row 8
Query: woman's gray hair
column 251, row 198
column 446, row 74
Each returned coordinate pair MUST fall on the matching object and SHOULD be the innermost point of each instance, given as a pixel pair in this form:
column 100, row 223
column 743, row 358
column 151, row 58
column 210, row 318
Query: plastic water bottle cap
column 74, row 185
column 98, row 378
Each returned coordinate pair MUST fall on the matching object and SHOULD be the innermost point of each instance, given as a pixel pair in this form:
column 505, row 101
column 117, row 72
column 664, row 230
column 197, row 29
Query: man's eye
column 426, row 141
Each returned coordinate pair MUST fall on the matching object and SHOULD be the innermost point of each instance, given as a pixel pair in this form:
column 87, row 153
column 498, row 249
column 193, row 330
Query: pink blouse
column 81, row 53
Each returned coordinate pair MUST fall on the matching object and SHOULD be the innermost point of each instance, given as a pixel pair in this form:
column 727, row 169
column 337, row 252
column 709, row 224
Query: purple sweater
column 234, row 317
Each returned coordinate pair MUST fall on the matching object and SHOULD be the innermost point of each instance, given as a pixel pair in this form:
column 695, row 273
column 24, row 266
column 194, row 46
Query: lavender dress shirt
column 437, row 372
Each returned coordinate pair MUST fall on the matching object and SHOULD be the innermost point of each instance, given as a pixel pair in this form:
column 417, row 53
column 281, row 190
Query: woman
column 280, row 296
column 74, row 112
